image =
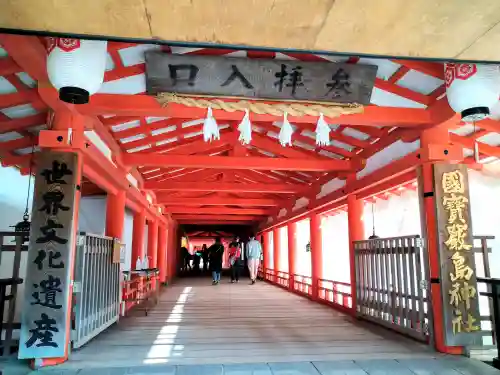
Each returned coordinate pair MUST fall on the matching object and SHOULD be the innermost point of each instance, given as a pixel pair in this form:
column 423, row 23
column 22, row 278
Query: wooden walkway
column 196, row 323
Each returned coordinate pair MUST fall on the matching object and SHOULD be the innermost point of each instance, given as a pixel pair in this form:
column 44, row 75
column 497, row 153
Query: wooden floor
column 197, row 323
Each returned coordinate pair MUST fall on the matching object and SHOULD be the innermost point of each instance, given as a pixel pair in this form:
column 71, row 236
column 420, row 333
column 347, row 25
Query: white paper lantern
column 76, row 67
column 472, row 89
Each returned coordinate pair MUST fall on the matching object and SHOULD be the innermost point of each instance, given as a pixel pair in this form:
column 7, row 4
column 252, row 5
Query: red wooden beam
column 8, row 66
column 218, row 211
column 217, row 201
column 144, row 105
column 469, row 143
column 215, row 217
column 227, row 187
column 22, row 123
column 215, row 222
column 220, row 162
column 433, row 69
column 28, row 52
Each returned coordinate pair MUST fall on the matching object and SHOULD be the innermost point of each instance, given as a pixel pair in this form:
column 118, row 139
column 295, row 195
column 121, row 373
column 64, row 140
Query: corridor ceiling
column 426, row 28
column 200, row 187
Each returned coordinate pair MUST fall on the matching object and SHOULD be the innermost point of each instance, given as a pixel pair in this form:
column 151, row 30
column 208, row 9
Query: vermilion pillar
column 138, row 237
column 115, row 214
column 292, row 252
column 438, row 135
column 266, row 251
column 153, row 243
column 316, row 253
column 277, row 247
column 356, row 233
column 162, row 253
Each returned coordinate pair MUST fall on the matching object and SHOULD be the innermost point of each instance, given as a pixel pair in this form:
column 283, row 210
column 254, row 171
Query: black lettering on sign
column 53, row 256
column 47, row 292
column 43, row 334
column 49, row 233
column 55, row 175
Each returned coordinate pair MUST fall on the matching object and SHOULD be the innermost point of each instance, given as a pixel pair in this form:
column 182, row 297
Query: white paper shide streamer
column 245, row 129
column 286, row 132
column 322, row 132
column 210, row 127
column 76, row 67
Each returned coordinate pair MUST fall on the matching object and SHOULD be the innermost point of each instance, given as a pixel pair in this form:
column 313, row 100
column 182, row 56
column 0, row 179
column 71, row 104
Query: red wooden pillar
column 316, row 253
column 162, row 253
column 276, row 249
column 356, row 233
column 292, row 253
column 438, row 135
column 153, row 243
column 138, row 237
column 115, row 215
column 266, row 251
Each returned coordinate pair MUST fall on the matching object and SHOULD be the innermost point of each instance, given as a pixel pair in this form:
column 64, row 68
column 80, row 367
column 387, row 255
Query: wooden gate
column 392, row 284
column 96, row 288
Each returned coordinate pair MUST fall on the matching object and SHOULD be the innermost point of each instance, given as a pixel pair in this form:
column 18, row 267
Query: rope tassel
column 286, row 132
column 322, row 132
column 210, row 127
column 245, row 129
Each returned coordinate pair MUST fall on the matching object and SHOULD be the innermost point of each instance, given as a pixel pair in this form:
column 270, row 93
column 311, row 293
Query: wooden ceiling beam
column 219, row 201
column 218, row 211
column 144, row 105
column 227, row 187
column 215, row 217
column 220, row 162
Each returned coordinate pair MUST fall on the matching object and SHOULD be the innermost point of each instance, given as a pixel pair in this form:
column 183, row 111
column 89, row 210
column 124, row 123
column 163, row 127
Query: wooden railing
column 137, row 290
column 302, row 284
column 335, row 292
column 10, row 241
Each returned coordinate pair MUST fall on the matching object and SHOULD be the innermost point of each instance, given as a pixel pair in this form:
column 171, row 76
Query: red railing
column 138, row 289
column 283, row 279
column 335, row 292
column 302, row 284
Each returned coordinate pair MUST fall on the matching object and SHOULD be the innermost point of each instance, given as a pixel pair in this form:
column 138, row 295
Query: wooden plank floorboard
column 196, row 323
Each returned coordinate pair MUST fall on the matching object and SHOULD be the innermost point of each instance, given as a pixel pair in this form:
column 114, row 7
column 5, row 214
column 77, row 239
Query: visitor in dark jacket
column 216, row 254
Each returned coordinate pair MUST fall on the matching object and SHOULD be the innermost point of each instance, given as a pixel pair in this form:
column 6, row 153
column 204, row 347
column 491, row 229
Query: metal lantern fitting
column 472, row 89
column 76, row 67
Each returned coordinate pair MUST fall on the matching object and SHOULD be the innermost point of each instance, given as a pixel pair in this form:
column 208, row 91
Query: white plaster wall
column 13, row 191
column 335, row 238
column 127, row 239
column 396, row 216
column 283, row 233
column 92, row 216
column 485, row 211
column 270, row 247
column 303, row 261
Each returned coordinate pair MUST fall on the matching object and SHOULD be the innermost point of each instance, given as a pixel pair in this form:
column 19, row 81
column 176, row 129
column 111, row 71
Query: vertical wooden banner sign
column 44, row 316
column 458, row 272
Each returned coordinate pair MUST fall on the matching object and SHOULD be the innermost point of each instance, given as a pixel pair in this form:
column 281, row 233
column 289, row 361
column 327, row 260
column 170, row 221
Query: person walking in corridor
column 204, row 257
column 216, row 254
column 254, row 251
column 235, row 259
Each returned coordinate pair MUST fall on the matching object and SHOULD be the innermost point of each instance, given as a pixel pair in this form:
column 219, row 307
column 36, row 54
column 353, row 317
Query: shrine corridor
column 261, row 329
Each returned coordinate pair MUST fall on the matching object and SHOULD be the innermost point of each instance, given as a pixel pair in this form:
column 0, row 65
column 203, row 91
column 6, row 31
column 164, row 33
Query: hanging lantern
column 472, row 89
column 76, row 67
column 24, row 228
